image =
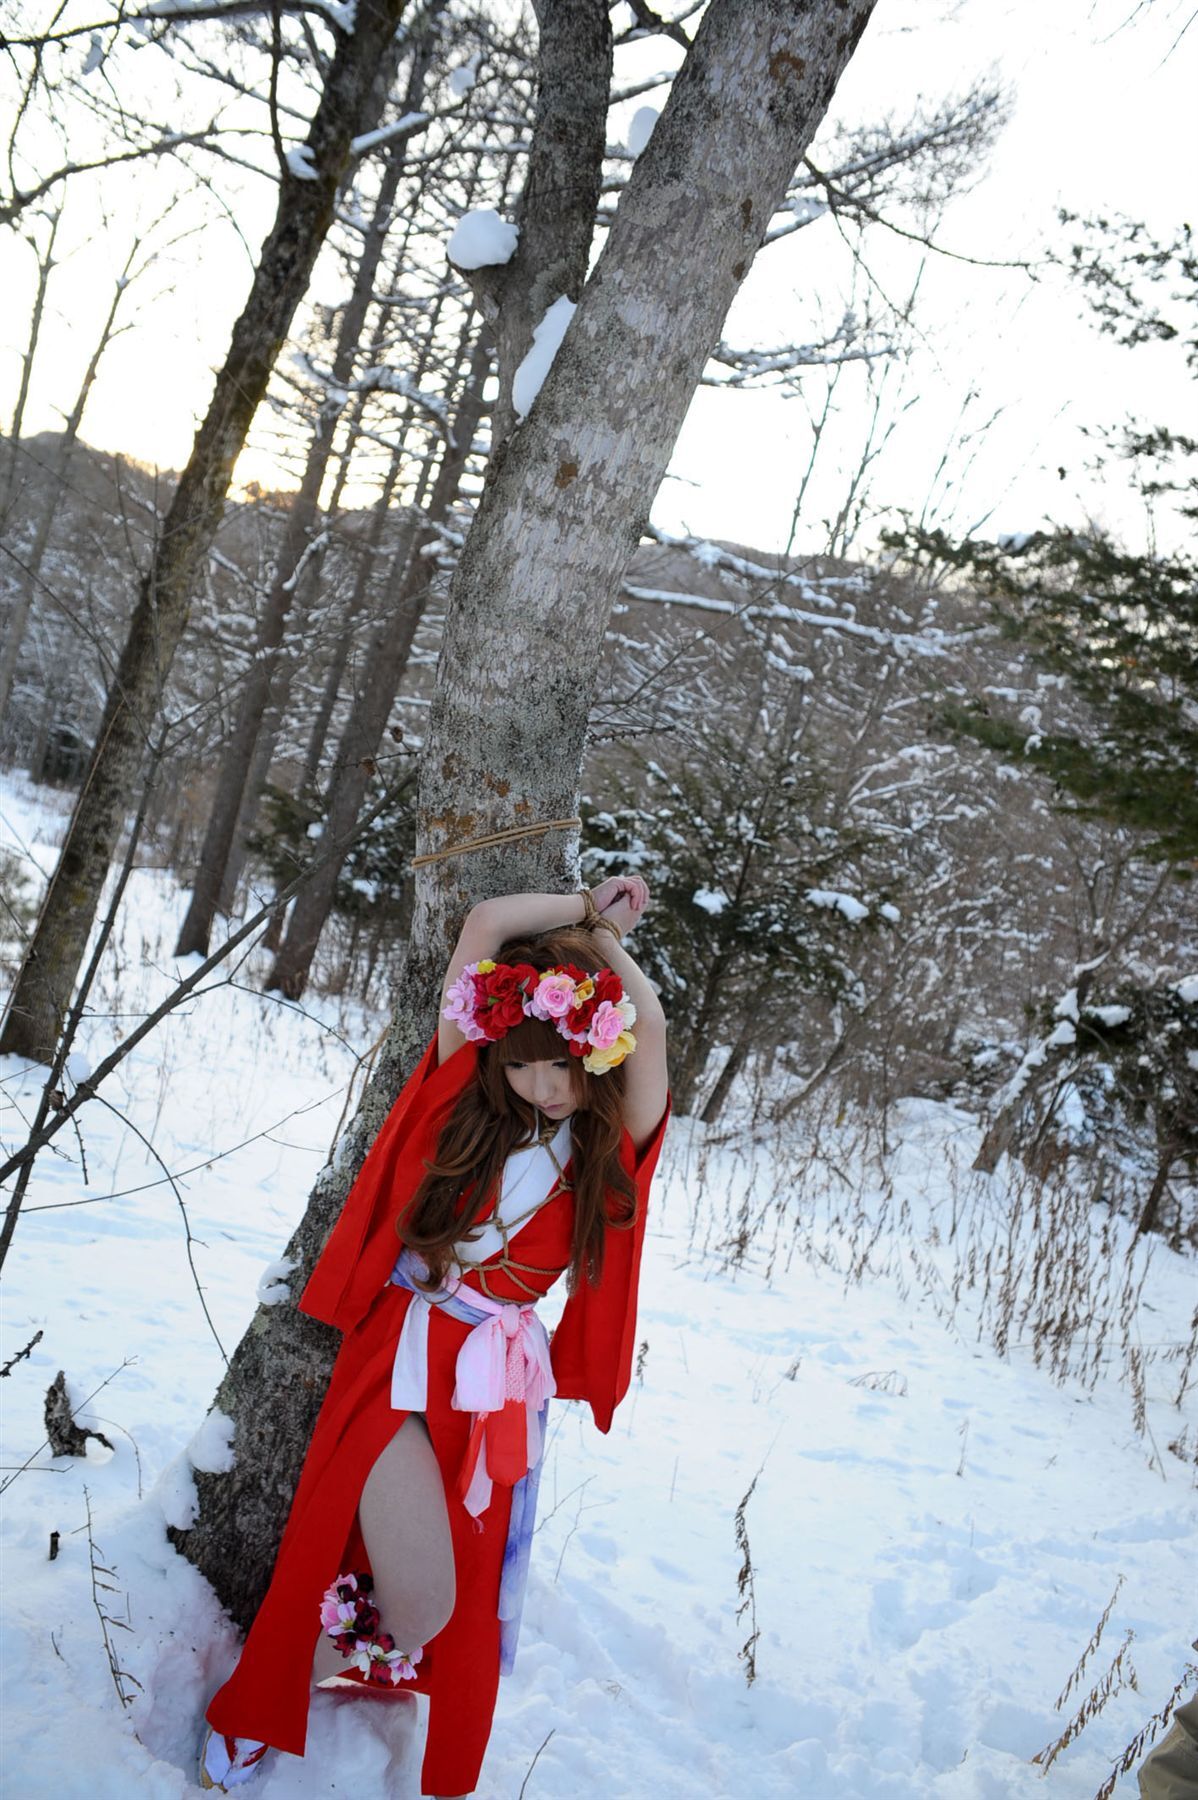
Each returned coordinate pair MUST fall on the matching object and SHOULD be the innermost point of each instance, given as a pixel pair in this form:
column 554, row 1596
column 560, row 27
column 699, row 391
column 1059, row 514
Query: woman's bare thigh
column 405, row 1527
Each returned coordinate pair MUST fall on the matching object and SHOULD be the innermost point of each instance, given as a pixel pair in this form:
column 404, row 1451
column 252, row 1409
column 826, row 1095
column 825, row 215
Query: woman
column 521, row 1149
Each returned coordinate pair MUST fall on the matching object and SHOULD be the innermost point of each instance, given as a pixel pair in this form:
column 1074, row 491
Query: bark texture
column 348, row 103
column 556, row 211
column 528, row 606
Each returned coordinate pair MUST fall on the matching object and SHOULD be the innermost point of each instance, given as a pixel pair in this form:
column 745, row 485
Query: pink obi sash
column 503, row 1377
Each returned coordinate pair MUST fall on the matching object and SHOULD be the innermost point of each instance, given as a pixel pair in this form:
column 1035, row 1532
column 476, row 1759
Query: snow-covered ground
column 934, row 1530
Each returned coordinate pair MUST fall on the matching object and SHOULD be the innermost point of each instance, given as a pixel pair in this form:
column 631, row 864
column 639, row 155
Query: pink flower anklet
column 351, row 1619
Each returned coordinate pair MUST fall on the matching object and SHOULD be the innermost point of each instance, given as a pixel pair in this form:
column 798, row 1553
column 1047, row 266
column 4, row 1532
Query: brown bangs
column 534, row 1040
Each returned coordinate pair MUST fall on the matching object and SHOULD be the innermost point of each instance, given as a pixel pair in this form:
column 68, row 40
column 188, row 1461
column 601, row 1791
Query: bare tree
column 309, row 183
column 297, row 549
column 564, row 503
column 386, row 662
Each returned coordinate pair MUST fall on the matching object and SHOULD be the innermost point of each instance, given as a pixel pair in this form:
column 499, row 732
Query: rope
column 508, row 836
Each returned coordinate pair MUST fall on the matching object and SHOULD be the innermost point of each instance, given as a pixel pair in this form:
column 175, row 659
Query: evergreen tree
column 740, row 846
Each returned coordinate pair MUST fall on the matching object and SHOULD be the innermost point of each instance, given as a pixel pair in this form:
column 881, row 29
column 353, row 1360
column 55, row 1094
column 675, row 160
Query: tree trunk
column 14, row 631
column 714, row 1104
column 305, row 210
column 386, row 662
column 1149, row 1219
column 269, row 679
column 527, row 611
column 45, row 267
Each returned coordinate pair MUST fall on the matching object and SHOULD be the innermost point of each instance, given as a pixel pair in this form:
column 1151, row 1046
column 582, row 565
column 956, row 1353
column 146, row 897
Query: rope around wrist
column 608, row 925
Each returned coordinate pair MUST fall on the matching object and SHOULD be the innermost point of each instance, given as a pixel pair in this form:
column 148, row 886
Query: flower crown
column 591, row 1011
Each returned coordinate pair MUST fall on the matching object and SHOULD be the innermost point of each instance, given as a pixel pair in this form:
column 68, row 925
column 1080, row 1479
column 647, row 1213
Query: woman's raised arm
column 491, row 924
column 621, row 901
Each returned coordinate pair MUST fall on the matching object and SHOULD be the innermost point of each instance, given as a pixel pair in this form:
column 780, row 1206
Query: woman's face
column 549, row 1086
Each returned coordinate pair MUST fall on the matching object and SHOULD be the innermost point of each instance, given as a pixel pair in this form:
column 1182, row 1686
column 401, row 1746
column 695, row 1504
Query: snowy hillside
column 933, row 1530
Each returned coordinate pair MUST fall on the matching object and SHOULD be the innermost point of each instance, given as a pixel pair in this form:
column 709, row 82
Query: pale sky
column 1103, row 120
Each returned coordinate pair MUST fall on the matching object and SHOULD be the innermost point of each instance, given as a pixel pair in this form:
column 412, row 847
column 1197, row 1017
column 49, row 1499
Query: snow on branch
column 918, row 644
column 405, row 127
column 761, row 368
column 376, row 380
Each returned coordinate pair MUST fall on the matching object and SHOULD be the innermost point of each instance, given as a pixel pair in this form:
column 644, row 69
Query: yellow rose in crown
column 599, row 1061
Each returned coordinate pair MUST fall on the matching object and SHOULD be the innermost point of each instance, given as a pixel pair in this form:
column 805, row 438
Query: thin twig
column 119, row 1675
column 177, row 1191
column 532, row 1765
column 44, row 1132
column 22, row 1354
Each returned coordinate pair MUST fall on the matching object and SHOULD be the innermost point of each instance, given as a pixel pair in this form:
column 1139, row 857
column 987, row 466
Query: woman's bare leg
column 406, row 1531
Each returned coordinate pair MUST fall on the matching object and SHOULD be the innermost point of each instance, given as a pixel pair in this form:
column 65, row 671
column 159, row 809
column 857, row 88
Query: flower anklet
column 351, row 1619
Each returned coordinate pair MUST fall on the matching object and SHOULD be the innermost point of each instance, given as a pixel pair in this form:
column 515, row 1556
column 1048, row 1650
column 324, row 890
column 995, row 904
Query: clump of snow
column 712, row 900
column 1061, row 1035
column 175, row 1493
column 299, row 161
column 805, row 209
column 1109, row 1015
column 463, row 78
column 482, row 240
column 370, row 140
column 1066, row 1006
column 546, row 342
column 890, row 913
column 78, row 1068
column 846, row 905
column 272, row 1283
column 211, row 1449
column 641, row 129
column 95, row 53
column 1187, row 990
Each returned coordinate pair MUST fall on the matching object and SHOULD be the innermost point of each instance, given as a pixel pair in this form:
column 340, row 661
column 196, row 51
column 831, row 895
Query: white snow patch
column 890, row 913
column 463, row 78
column 846, row 905
column 1187, row 990
column 370, row 140
column 1109, row 1015
column 1066, row 1006
column 546, row 342
column 211, row 1449
column 272, row 1283
column 299, row 161
column 1063, row 1034
column 482, row 240
column 78, row 1068
column 712, row 900
column 641, row 129
column 175, row 1493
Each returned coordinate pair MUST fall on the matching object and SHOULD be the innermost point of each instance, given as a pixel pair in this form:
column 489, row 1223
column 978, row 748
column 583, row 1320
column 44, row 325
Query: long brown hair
column 489, row 1120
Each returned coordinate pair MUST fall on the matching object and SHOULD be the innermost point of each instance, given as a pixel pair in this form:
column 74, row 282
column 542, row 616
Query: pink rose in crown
column 554, row 996
column 606, row 1025
column 460, row 1001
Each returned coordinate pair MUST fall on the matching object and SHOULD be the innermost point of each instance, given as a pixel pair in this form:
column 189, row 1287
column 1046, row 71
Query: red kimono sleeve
column 360, row 1253
column 592, row 1346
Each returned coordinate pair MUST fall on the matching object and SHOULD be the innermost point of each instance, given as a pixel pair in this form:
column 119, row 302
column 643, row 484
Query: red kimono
column 267, row 1695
